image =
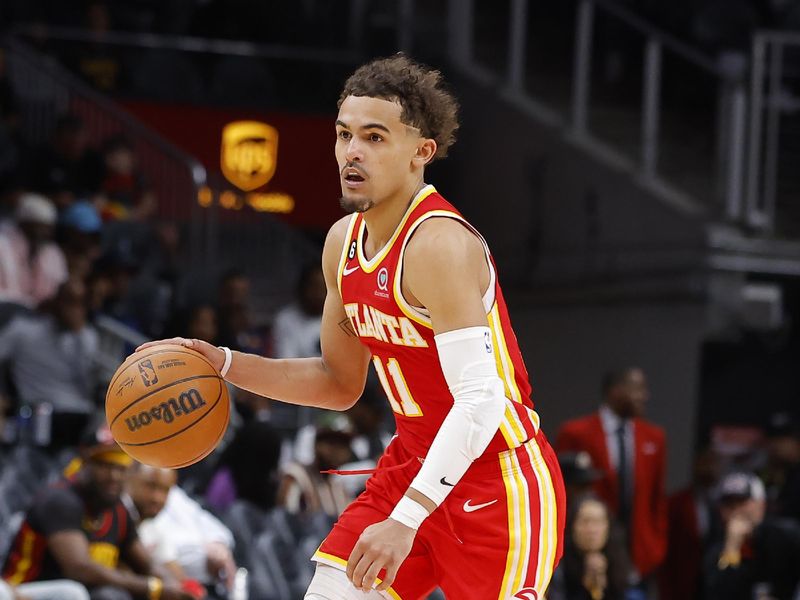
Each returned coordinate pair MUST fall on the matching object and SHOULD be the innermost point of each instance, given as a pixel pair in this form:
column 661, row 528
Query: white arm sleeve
column 468, row 363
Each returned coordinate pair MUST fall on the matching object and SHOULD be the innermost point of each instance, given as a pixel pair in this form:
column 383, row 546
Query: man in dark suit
column 631, row 453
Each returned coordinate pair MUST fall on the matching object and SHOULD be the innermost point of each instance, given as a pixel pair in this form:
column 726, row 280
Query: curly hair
column 419, row 90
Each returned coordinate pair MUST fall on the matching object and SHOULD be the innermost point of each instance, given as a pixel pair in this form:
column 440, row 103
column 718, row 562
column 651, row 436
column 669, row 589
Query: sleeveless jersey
column 400, row 336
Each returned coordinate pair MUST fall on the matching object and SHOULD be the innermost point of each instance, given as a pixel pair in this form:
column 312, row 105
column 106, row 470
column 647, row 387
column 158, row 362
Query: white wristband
column 409, row 512
column 227, row 364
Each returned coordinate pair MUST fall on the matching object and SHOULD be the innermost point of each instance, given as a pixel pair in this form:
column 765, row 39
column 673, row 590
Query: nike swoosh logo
column 473, row 507
column 443, row 481
column 346, row 271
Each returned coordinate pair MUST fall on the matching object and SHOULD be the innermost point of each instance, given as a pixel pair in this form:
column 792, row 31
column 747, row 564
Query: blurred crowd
column 732, row 533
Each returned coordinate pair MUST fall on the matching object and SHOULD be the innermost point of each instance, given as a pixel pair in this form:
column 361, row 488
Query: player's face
column 375, row 151
column 149, row 489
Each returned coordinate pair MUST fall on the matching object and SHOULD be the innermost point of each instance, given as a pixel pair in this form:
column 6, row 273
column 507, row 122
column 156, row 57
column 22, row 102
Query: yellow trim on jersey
column 339, row 562
column 345, row 249
column 505, row 357
column 369, row 266
column 519, row 524
column 548, row 530
column 26, row 561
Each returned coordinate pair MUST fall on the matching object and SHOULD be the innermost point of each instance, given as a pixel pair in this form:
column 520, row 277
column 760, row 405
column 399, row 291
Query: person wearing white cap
column 32, row 266
column 758, row 556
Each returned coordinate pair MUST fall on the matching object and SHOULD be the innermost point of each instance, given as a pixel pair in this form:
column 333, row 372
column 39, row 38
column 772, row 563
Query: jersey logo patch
column 383, row 279
column 346, row 271
column 468, row 508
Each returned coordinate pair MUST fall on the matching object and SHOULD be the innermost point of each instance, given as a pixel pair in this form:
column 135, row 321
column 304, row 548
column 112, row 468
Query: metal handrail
column 185, row 43
column 68, row 80
column 670, row 42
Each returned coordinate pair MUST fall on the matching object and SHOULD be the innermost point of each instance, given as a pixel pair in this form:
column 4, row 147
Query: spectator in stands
column 178, row 530
column 631, row 453
column 759, row 556
column 368, row 418
column 782, row 473
column 126, row 194
column 117, row 269
column 32, row 266
column 52, row 359
column 248, row 469
column 79, row 235
column 296, row 327
column 67, row 168
column 198, row 321
column 79, row 529
column 236, row 329
column 97, row 61
column 595, row 563
column 579, row 474
column 693, row 525
column 304, row 488
column 296, row 333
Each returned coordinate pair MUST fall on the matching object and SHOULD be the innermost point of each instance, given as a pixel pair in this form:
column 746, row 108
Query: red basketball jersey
column 400, row 336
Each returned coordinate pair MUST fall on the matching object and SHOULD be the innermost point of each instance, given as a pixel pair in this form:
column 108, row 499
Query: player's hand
column 383, row 545
column 211, row 352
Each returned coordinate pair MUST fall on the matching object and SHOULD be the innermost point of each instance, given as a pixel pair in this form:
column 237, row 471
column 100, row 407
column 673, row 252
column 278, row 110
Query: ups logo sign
column 249, row 153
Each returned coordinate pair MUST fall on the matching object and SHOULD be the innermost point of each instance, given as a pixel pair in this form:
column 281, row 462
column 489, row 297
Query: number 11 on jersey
column 407, row 406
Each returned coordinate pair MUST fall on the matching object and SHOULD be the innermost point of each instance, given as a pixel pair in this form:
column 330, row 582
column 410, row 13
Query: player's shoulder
column 338, row 231
column 444, row 238
column 334, row 242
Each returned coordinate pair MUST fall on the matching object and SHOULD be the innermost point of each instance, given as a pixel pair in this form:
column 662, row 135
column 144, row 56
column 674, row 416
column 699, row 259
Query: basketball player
column 468, row 496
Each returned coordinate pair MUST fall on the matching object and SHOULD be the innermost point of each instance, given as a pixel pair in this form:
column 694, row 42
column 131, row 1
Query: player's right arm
column 334, row 381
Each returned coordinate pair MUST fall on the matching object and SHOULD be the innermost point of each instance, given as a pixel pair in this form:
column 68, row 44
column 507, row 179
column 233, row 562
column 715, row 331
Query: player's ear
column 426, row 150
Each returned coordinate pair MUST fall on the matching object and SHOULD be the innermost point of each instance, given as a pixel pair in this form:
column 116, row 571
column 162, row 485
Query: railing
column 244, row 241
column 47, row 91
column 637, row 118
column 773, row 182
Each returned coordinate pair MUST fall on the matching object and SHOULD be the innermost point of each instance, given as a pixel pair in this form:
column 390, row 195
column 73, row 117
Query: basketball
column 167, row 406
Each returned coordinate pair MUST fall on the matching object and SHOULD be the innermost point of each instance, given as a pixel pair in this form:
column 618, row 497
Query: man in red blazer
column 631, row 453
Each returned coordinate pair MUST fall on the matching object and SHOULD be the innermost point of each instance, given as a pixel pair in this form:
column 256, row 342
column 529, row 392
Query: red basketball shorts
column 503, row 539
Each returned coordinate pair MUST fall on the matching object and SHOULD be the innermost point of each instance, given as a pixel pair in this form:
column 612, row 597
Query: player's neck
column 383, row 218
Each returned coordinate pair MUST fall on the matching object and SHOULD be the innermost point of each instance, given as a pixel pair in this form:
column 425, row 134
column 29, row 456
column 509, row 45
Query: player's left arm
column 445, row 270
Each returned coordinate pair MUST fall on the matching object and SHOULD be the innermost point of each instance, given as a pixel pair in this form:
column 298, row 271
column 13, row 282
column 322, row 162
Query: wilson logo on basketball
column 186, row 403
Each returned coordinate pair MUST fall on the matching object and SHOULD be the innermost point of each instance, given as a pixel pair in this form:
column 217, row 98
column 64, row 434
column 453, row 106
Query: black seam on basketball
column 211, row 447
column 180, row 350
column 162, row 388
column 189, row 426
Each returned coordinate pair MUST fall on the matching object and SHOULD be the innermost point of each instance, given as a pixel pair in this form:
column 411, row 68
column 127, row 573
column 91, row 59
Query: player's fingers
column 360, row 570
column 368, row 581
column 178, row 341
column 353, row 559
column 391, row 575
